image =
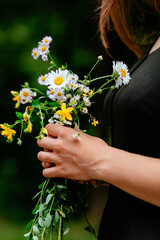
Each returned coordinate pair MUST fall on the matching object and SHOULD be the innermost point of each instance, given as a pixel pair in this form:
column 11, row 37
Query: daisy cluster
column 65, row 97
column 63, row 87
column 42, row 49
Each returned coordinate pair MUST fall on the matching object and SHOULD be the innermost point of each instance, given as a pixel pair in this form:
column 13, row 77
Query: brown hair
column 113, row 13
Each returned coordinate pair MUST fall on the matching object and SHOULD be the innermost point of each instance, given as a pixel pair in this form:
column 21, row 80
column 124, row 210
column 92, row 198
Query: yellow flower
column 25, row 116
column 30, row 109
column 91, row 92
column 44, row 131
column 95, row 122
column 29, row 126
column 65, row 112
column 7, row 132
column 17, row 99
column 84, row 94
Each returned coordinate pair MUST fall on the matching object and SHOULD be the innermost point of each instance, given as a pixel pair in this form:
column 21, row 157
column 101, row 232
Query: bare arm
column 91, row 158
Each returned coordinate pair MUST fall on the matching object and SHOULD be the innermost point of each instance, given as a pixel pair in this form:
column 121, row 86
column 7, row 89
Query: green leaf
column 36, row 195
column 66, row 231
column 48, row 198
column 53, row 104
column 41, row 208
column 62, row 213
column 61, row 186
column 35, row 238
column 29, row 225
column 27, row 234
column 48, row 220
column 35, row 230
column 19, row 115
column 56, row 216
column 35, row 103
column 41, row 185
column 35, row 209
column 41, row 222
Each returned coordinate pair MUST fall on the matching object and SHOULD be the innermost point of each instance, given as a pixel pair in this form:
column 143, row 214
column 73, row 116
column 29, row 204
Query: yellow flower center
column 52, row 91
column 73, row 102
column 46, row 40
column 58, row 80
column 43, row 48
column 71, row 84
column 25, row 94
column 35, row 53
column 43, row 78
column 123, row 72
column 59, row 94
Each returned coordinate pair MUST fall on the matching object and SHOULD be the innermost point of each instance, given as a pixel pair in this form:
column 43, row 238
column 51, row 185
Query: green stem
column 38, row 91
column 92, row 69
column 52, row 60
column 103, row 86
column 102, row 77
column 60, row 235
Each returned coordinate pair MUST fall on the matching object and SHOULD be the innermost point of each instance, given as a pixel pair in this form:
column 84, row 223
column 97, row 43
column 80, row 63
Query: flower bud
column 100, row 58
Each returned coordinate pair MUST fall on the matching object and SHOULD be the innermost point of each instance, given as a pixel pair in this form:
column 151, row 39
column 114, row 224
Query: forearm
column 133, row 173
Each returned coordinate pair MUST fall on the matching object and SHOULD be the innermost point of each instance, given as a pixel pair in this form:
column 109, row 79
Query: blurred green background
column 74, row 28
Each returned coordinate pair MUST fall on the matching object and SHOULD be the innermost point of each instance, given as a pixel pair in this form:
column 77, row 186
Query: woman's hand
column 67, row 157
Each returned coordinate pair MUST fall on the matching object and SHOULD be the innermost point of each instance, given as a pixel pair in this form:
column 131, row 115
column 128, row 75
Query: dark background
column 74, row 28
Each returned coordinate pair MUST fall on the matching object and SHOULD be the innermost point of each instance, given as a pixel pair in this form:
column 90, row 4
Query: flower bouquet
column 64, row 100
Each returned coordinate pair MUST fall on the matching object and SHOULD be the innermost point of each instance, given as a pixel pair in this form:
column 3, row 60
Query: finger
column 46, row 143
column 47, row 157
column 52, row 172
column 56, row 131
column 46, row 164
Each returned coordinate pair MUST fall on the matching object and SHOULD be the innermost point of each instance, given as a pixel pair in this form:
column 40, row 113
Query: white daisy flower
column 73, row 102
column 73, row 85
column 43, row 48
column 26, row 95
column 77, row 97
column 47, row 40
column 77, row 136
column 59, row 93
column 35, row 53
column 44, row 57
column 74, row 77
column 42, row 80
column 64, row 99
column 58, row 122
column 68, row 96
column 59, row 78
column 122, row 70
column 85, row 110
column 81, row 86
column 51, row 120
column 51, row 93
column 68, row 122
column 85, row 89
column 87, row 101
column 59, row 117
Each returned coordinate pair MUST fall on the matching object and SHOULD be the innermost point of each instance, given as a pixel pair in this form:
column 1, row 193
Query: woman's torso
column 133, row 124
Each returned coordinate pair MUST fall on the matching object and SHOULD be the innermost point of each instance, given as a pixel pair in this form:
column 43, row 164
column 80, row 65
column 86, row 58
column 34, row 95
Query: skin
column 91, row 158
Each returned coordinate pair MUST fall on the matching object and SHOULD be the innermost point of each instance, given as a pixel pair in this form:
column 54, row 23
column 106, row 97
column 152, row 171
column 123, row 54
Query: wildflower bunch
column 65, row 98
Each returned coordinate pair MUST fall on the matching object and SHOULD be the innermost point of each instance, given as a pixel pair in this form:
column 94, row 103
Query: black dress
column 133, row 123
